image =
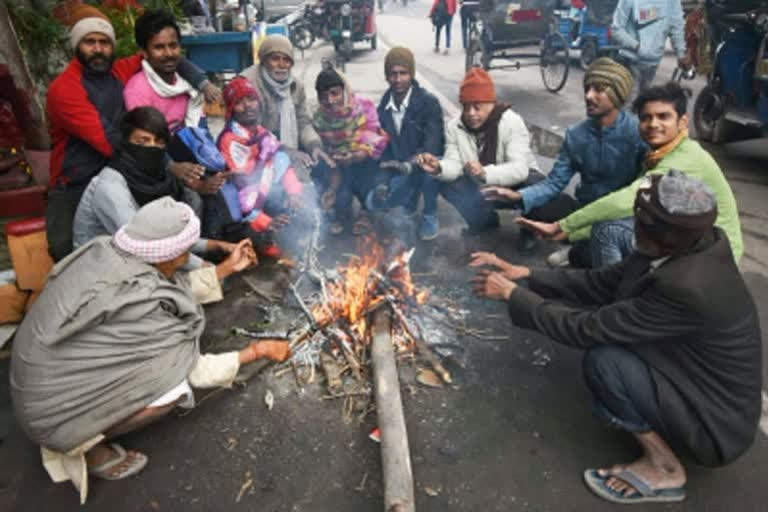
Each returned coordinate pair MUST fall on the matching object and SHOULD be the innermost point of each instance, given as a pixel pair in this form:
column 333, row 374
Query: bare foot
column 657, row 475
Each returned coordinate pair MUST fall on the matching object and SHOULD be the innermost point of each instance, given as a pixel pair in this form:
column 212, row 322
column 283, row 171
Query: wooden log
column 395, row 455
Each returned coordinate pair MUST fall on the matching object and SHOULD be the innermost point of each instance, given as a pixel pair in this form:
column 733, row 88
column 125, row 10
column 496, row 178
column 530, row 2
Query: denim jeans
column 612, row 241
column 406, row 191
column 623, row 389
column 439, row 28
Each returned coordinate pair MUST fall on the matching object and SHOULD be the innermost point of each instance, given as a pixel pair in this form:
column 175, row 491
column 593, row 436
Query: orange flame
column 356, row 291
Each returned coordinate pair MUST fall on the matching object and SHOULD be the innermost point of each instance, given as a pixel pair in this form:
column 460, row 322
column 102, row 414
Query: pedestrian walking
column 442, row 17
column 468, row 9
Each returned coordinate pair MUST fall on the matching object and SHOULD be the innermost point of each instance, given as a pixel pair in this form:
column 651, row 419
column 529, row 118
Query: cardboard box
column 28, row 247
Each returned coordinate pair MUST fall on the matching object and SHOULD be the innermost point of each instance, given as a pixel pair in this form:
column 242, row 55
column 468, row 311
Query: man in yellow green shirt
column 608, row 222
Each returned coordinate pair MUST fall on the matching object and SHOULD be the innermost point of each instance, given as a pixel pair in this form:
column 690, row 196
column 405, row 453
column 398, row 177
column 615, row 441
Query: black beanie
column 326, row 79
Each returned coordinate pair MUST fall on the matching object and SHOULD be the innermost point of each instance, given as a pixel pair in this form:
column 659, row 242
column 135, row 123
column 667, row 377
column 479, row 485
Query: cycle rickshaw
column 519, row 29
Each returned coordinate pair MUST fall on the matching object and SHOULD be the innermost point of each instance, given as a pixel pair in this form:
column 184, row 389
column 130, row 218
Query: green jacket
column 688, row 157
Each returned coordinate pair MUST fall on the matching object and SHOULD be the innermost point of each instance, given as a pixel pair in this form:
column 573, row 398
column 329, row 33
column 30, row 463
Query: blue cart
column 228, row 52
column 588, row 29
column 220, row 52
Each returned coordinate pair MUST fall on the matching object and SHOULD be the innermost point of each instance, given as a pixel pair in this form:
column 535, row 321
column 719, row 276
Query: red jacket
column 83, row 112
column 450, row 5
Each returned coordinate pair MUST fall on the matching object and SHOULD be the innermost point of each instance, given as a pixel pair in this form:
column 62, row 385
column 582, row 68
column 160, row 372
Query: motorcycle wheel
column 708, row 116
column 374, row 42
column 302, row 36
column 346, row 50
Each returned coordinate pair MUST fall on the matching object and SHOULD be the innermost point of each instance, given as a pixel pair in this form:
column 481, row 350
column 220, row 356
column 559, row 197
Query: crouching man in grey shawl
column 671, row 338
column 112, row 343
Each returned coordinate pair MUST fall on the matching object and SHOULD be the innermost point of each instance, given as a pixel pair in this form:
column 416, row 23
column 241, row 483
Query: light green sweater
column 688, row 157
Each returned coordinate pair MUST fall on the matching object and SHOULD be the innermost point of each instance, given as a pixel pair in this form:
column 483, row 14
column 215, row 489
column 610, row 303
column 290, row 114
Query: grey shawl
column 108, row 336
column 289, row 130
column 308, row 139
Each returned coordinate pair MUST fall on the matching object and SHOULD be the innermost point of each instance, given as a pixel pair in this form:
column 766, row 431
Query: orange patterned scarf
column 655, row 156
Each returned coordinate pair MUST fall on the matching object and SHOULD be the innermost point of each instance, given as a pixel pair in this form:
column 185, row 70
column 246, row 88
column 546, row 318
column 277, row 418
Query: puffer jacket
column 513, row 155
column 641, row 28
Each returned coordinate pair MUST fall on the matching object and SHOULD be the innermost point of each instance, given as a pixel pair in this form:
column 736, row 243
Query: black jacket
column 422, row 129
column 692, row 320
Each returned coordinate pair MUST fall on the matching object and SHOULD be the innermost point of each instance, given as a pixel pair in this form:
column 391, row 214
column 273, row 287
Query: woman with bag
column 442, row 16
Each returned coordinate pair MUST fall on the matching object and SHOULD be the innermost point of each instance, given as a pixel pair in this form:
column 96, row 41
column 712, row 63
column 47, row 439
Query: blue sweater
column 607, row 159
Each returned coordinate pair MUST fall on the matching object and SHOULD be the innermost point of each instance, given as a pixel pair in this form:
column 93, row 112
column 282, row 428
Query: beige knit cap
column 400, row 56
column 275, row 43
column 615, row 78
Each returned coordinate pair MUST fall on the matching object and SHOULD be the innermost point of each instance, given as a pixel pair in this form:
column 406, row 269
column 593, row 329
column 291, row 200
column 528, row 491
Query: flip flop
column 644, row 494
column 103, row 471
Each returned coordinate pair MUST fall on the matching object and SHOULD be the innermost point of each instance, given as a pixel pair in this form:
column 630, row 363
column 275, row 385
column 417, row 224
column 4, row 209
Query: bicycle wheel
column 554, row 63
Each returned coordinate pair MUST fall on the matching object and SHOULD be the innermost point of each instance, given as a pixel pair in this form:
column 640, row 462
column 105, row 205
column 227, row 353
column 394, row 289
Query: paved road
column 514, row 433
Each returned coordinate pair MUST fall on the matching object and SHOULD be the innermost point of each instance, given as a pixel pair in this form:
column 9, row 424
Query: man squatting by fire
column 113, row 343
column 670, row 356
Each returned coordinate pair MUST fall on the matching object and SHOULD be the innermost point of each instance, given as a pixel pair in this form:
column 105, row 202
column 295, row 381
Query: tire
column 554, row 63
column 302, row 36
column 374, row 42
column 588, row 53
column 708, row 116
column 346, row 50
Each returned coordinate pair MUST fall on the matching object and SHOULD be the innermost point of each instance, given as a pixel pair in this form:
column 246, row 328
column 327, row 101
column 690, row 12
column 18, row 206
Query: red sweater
column 83, row 112
column 450, row 5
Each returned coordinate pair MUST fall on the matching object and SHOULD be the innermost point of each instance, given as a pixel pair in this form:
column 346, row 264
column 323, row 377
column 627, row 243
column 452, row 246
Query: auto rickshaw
column 519, row 29
column 350, row 21
column 732, row 50
column 586, row 25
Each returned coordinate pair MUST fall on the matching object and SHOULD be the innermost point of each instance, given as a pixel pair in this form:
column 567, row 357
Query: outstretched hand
column 481, row 258
column 273, row 350
column 547, row 230
column 500, row 194
column 241, row 257
column 492, row 285
column 508, row 270
column 213, row 94
column 279, row 222
column 429, row 163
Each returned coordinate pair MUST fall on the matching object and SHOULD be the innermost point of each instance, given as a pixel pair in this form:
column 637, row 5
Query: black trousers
column 478, row 212
column 60, row 208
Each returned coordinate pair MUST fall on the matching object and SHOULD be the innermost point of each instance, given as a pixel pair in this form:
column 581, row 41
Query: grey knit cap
column 681, row 194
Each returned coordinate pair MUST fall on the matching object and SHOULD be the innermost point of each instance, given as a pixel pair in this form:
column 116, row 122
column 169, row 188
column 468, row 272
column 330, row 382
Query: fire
column 358, row 290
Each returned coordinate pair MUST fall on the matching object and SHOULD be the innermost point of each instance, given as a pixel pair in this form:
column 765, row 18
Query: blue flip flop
column 644, row 494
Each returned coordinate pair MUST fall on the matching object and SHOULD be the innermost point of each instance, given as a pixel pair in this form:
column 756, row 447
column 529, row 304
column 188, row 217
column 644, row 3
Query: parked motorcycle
column 350, row 21
column 312, row 25
column 736, row 94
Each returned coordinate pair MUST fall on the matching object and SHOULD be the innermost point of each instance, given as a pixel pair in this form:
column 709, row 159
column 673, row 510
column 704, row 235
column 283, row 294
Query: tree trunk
column 395, row 455
column 36, row 134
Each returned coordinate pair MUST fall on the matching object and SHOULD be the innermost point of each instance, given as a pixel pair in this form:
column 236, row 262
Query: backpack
column 440, row 14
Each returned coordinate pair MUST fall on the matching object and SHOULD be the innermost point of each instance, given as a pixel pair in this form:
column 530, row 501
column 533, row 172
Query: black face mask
column 144, row 169
column 147, row 159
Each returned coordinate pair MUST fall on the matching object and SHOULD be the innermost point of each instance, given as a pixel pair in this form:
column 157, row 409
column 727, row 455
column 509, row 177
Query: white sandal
column 103, row 470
